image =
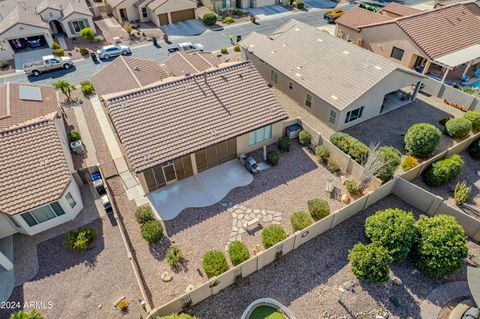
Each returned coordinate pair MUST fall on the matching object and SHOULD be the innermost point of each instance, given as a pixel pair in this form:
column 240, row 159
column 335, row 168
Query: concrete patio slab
column 204, row 189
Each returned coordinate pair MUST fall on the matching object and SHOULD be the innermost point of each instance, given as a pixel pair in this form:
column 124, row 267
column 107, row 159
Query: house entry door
column 170, row 174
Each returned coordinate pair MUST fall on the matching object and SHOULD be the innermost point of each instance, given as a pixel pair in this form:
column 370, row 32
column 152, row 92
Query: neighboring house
column 23, row 21
column 222, row 5
column 186, row 124
column 447, row 37
column 336, row 81
column 37, row 189
column 160, row 12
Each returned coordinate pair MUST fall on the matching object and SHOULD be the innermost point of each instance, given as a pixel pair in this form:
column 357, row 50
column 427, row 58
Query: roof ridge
column 131, row 71
column 201, row 57
column 17, row 129
column 188, row 62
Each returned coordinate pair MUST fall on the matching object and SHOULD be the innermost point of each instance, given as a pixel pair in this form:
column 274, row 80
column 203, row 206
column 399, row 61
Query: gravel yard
column 284, row 189
column 314, row 280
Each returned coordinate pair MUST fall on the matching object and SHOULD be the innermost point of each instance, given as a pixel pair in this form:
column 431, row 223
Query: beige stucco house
column 160, row 12
column 336, row 81
column 23, row 21
column 434, row 42
column 221, row 5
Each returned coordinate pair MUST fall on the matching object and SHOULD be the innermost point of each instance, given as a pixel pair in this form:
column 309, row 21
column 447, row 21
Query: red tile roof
column 400, row 9
column 358, row 17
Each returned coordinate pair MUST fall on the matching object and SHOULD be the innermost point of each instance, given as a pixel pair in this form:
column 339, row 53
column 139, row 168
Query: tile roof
column 400, row 9
column 357, row 17
column 184, row 63
column 331, row 68
column 18, row 15
column 114, row 3
column 33, row 167
column 129, row 73
column 174, row 118
column 157, row 3
column 72, row 8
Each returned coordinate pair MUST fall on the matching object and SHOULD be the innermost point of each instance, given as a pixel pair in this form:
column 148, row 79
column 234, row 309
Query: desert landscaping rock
column 166, row 276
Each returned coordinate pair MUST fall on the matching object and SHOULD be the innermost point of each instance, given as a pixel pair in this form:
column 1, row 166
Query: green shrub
column 394, row 229
column 300, row 5
column 80, row 238
column 391, row 157
column 352, row 187
column 474, row 118
column 370, row 262
column 209, row 18
column 214, row 263
column 272, row 235
column 421, row 139
column 228, row 20
column 236, row 48
column 444, row 120
column 300, row 220
column 87, row 33
column 441, row 172
column 55, row 46
column 83, row 51
column 144, row 214
column 351, row 146
column 332, row 165
column 98, row 38
column 474, row 149
column 4, row 64
column 177, row 316
column 273, row 158
column 152, row 231
column 87, row 87
column 284, row 143
column 323, row 153
column 304, row 137
column 224, row 51
column 174, row 256
column 73, row 136
column 441, row 246
column 318, row 208
column 409, row 162
column 238, row 12
column 458, row 127
column 238, row 252
column 22, row 314
column 461, row 192
column 59, row 52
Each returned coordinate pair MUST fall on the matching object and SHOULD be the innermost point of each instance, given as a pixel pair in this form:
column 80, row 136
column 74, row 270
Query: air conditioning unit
column 293, row 131
column 77, row 147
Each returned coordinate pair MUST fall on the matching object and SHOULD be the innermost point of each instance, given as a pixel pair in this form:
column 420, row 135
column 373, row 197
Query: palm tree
column 65, row 87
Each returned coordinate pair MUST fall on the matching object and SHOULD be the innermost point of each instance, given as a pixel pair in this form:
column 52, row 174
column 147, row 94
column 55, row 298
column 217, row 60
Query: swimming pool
column 475, row 84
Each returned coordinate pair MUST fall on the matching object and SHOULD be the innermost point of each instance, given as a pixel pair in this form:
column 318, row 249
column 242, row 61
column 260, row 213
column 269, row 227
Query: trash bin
column 154, row 41
column 165, row 37
column 239, row 38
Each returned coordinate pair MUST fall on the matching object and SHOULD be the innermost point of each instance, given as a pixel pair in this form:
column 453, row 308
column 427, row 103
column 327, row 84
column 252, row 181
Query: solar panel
column 29, row 93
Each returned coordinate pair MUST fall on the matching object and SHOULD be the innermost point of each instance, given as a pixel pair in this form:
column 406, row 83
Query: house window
column 70, row 200
column 290, row 86
column 353, row 115
column 397, row 53
column 308, row 101
column 333, row 117
column 144, row 12
column 78, row 25
column 260, row 135
column 274, row 77
column 42, row 214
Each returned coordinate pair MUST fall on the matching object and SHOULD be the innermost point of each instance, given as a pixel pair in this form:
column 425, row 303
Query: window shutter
column 87, row 24
column 70, row 26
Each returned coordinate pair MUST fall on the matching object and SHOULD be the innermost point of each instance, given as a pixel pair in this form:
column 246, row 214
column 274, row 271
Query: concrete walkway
column 440, row 296
column 6, row 275
column 91, row 156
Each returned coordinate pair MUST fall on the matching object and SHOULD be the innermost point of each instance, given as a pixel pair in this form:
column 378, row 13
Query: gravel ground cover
column 284, row 188
column 315, row 280
column 468, row 174
column 77, row 283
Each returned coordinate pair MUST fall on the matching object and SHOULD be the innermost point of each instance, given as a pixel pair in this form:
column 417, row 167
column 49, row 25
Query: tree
column 394, row 229
column 87, row 33
column 32, row 314
column 65, row 87
column 441, row 246
column 370, row 262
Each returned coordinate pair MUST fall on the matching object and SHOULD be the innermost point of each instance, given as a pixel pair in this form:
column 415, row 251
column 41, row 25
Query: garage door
column 183, row 15
column 163, row 18
column 28, row 43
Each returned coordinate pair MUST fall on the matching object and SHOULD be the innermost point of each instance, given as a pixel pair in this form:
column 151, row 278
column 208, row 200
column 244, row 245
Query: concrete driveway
column 29, row 56
column 185, row 28
column 204, row 189
column 320, row 4
column 269, row 12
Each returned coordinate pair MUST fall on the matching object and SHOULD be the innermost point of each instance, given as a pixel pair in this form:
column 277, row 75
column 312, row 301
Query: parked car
column 332, row 15
column 368, row 6
column 35, row 43
column 47, row 63
column 251, row 165
column 113, row 50
column 187, row 47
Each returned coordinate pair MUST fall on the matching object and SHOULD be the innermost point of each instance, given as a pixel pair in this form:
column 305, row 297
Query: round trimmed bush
column 458, row 127
column 441, row 246
column 394, row 229
column 304, row 137
column 177, row 316
column 73, row 136
column 441, row 172
column 391, row 157
column 300, row 220
column 323, row 153
column 87, row 87
column 144, row 214
column 228, row 20
column 152, row 231
column 421, row 139
column 474, row 149
column 409, row 162
column 272, row 235
column 83, row 51
column 209, row 18
column 214, row 263
column 237, row 48
column 284, row 144
column 352, row 187
column 351, row 146
column 238, row 252
column 273, row 158
column 474, row 118
column 80, row 238
column 332, row 165
column 224, row 51
column 370, row 262
column 318, row 208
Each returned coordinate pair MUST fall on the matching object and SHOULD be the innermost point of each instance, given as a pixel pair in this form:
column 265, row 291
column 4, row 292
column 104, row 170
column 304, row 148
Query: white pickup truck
column 47, row 63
